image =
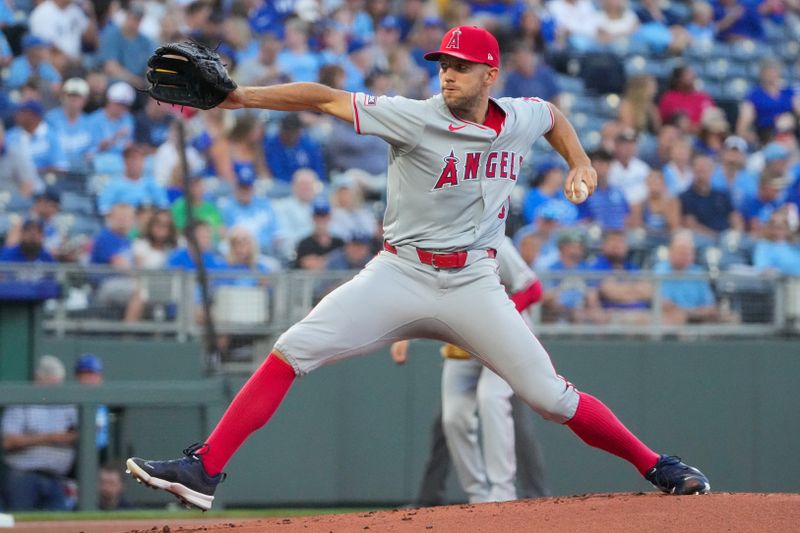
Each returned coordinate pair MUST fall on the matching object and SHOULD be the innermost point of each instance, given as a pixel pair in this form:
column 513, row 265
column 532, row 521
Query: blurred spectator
column 576, row 20
column 72, row 124
column 89, row 371
column 701, row 27
column 765, row 103
column 668, row 135
column 756, row 211
column 627, row 171
column 245, row 147
column 312, row 252
column 17, row 171
column 430, row 36
column 662, row 27
column 387, row 38
column 685, row 300
column 706, row 211
column 350, row 215
column 42, row 141
column 529, row 75
column 296, row 59
column 638, row 110
column 737, row 21
column 546, row 227
column 405, row 76
column 335, row 54
column 616, row 23
column 243, row 255
column 774, row 250
column 184, row 257
column 110, row 495
column 262, row 69
column 45, row 208
column 529, row 245
column 6, row 55
column 33, row 64
column 113, row 247
column 354, row 255
column 295, row 212
column 411, row 14
column 290, row 149
column 133, row 187
column 123, row 50
column 39, row 446
column 607, row 207
column 732, row 175
column 346, row 149
column 678, row 170
column 151, row 125
column 113, row 124
column 714, row 129
column 65, row 25
column 624, row 298
column 31, row 246
column 252, row 212
column 203, row 209
column 660, row 213
column 565, row 298
column 683, row 96
column 167, row 168
column 548, row 190
column 159, row 238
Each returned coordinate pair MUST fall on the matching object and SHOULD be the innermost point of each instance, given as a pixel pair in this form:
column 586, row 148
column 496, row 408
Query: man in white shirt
column 65, row 25
column 578, row 19
column 627, row 171
column 295, row 212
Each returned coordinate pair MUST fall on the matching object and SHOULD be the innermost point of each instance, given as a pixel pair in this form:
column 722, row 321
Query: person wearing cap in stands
column 290, row 149
column 65, row 24
column 387, row 38
column 547, row 189
column 732, row 175
column 627, row 171
column 124, row 50
column 312, row 252
column 113, row 124
column 72, row 124
column 89, row 371
column 17, row 171
column 31, row 246
column 349, row 214
column 133, row 186
column 42, row 141
column 152, row 124
column 34, row 62
column 565, row 298
column 607, row 207
column 335, row 52
column 354, row 255
column 769, row 198
column 253, row 212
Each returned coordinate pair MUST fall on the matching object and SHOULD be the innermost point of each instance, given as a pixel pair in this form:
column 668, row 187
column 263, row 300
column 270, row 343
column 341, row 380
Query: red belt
column 440, row 260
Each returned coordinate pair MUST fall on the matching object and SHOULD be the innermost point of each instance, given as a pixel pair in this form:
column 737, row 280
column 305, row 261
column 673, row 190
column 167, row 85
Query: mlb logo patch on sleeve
column 370, row 100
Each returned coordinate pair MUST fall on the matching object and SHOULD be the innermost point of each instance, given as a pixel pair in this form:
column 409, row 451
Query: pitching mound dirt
column 722, row 512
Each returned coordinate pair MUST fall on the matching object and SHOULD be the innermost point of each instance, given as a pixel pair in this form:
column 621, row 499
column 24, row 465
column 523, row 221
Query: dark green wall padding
column 359, row 431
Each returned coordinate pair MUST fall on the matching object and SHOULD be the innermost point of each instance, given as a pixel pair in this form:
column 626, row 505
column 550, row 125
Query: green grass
column 145, row 514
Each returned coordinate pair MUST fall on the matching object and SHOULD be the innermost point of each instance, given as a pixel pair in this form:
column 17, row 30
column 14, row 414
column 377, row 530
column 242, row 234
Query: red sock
column 252, row 407
column 597, row 426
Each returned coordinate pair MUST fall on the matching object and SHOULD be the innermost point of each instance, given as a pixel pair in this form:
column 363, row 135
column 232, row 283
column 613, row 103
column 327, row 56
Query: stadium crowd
column 688, row 109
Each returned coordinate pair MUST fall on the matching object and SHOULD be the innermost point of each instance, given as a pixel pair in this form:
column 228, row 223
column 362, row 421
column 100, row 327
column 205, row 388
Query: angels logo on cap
column 454, row 39
column 469, row 43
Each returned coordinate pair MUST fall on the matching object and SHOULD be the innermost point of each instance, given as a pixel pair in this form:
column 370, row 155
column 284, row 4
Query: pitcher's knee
column 557, row 406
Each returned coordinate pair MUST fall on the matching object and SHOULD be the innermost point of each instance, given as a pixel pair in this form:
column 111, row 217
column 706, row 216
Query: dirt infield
column 723, row 512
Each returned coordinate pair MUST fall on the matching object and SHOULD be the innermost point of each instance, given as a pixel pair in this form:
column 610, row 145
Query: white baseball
column 578, row 196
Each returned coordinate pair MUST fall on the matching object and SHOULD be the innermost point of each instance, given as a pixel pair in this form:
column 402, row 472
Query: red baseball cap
column 470, row 43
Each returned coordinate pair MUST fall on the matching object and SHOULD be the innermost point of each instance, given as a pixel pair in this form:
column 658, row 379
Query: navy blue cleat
column 185, row 478
column 672, row 476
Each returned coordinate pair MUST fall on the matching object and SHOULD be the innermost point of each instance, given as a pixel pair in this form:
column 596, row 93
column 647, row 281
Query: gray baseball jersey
column 448, row 189
column 449, row 180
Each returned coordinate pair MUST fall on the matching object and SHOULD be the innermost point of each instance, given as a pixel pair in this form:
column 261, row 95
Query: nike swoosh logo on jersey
column 451, row 127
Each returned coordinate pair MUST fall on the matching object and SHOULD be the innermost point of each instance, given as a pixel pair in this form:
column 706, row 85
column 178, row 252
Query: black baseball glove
column 188, row 74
